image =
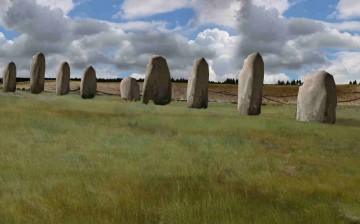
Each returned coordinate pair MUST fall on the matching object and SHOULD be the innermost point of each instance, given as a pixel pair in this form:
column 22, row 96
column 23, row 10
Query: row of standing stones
column 317, row 98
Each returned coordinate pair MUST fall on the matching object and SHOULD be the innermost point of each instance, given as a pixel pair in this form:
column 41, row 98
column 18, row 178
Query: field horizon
column 222, row 93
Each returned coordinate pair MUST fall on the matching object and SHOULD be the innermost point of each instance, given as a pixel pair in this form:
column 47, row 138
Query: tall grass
column 68, row 160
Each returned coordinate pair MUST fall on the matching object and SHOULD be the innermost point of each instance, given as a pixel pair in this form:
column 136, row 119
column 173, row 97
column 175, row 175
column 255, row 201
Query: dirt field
column 223, row 93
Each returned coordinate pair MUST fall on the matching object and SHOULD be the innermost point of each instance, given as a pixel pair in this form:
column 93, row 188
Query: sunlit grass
column 68, row 160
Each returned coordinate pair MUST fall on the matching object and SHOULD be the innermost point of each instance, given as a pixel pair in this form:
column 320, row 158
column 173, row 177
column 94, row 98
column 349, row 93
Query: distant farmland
column 224, row 93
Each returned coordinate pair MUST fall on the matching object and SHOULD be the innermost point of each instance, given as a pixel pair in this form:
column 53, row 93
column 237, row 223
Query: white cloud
column 224, row 65
column 212, row 73
column 107, row 46
column 3, row 40
column 274, row 78
column 137, row 76
column 353, row 26
column 344, row 66
column 65, row 5
column 132, row 9
column 347, row 9
column 298, row 45
column 280, row 5
column 142, row 25
column 223, row 13
column 206, row 11
column 217, row 12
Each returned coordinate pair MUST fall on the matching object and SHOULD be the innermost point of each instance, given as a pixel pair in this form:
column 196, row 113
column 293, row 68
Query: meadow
column 68, row 160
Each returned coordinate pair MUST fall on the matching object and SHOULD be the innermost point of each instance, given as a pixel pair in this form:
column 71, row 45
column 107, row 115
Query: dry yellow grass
column 68, row 160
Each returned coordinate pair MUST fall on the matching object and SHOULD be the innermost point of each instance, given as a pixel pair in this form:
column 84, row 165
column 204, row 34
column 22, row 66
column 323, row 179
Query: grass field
column 68, row 160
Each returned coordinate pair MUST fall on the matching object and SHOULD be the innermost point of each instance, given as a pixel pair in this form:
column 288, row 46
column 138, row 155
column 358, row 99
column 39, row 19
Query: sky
column 118, row 37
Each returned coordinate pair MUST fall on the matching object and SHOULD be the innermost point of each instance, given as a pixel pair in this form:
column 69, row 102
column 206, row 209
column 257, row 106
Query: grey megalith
column 197, row 89
column 63, row 79
column 251, row 79
column 9, row 78
column 88, row 83
column 37, row 73
column 157, row 85
column 317, row 99
column 130, row 89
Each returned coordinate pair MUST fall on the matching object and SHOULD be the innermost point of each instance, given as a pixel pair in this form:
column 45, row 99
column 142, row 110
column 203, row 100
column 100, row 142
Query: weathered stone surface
column 88, row 83
column 130, row 89
column 317, row 99
column 251, row 79
column 197, row 90
column 9, row 78
column 37, row 74
column 157, row 85
column 63, row 79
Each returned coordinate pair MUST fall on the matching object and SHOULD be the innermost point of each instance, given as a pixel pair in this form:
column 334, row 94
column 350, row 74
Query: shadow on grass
column 348, row 122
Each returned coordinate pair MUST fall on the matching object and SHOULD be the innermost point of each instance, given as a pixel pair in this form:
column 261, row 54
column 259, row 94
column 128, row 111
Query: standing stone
column 197, row 90
column 88, row 83
column 317, row 99
column 251, row 79
column 9, row 78
column 130, row 89
column 157, row 85
column 37, row 74
column 63, row 79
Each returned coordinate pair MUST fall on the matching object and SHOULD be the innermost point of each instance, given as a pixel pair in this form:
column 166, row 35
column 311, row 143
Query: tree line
column 297, row 82
column 354, row 82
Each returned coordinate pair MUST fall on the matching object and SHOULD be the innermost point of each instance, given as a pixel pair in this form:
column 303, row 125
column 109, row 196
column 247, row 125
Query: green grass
column 68, row 160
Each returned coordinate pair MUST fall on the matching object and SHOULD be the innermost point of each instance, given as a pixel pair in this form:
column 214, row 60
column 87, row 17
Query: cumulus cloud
column 347, row 9
column 277, row 39
column 274, row 78
column 217, row 12
column 222, row 13
column 36, row 20
column 344, row 66
column 3, row 40
column 280, row 5
column 132, row 9
column 206, row 11
column 111, row 47
column 224, row 64
column 352, row 26
column 137, row 76
column 65, row 5
column 294, row 45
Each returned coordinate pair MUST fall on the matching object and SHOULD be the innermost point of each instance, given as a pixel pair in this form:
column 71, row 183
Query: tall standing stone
column 130, row 89
column 88, row 83
column 37, row 73
column 317, row 99
column 157, row 85
column 63, row 79
column 9, row 78
column 251, row 79
column 197, row 90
